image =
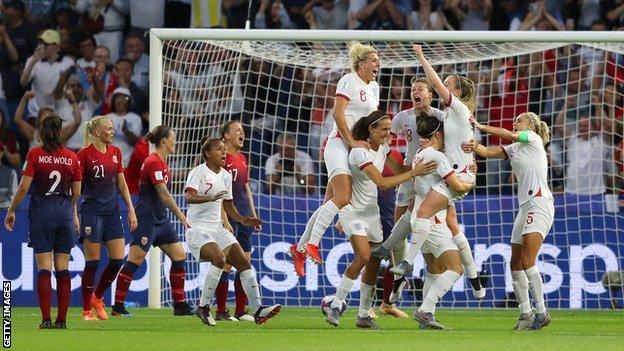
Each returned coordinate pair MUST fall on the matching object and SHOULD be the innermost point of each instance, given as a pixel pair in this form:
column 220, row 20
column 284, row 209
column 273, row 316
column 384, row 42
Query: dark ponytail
column 427, row 125
column 50, row 132
column 157, row 134
column 361, row 128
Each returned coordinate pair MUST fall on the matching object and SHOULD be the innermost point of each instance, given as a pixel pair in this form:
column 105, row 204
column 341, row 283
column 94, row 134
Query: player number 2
column 56, row 175
column 99, row 171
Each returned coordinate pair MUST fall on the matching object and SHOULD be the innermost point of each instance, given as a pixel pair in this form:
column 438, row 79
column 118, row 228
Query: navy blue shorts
column 148, row 234
column 100, row 228
column 243, row 235
column 387, row 224
column 52, row 236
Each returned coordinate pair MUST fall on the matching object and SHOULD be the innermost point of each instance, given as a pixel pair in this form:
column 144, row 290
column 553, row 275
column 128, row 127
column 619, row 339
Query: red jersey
column 132, row 173
column 52, row 174
column 99, row 173
column 237, row 166
column 150, row 207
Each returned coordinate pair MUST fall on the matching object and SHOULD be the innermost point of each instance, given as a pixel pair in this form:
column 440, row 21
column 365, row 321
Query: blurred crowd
column 79, row 58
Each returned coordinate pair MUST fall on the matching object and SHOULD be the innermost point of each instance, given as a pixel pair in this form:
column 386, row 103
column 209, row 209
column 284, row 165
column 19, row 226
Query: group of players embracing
column 439, row 169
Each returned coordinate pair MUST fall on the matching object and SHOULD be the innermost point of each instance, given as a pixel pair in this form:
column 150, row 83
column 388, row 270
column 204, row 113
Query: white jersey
column 424, row 183
column 364, row 190
column 207, row 182
column 405, row 123
column 457, row 131
column 530, row 167
column 363, row 99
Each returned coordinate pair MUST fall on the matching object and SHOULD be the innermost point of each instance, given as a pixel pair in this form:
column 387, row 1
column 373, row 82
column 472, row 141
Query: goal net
column 283, row 93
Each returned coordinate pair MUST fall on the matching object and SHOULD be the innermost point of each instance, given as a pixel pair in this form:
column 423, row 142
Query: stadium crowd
column 81, row 58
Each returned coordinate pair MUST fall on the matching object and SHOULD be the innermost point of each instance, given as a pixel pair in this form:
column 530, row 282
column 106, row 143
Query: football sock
column 342, row 291
column 252, row 290
column 535, row 284
column 325, row 216
column 44, row 292
column 308, row 231
column 176, row 278
column 521, row 290
column 438, row 288
column 210, row 283
column 222, row 292
column 366, row 299
column 63, row 293
column 399, row 232
column 465, row 254
column 88, row 279
column 241, row 298
column 123, row 281
column 108, row 276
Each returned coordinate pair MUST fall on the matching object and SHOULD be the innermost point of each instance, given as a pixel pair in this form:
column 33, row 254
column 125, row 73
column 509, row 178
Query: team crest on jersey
column 362, row 96
column 115, row 159
column 144, row 240
column 87, row 230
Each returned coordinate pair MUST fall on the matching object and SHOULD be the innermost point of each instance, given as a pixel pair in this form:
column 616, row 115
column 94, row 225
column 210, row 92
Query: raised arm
column 432, row 76
column 499, row 132
column 24, row 127
column 388, row 182
column 485, row 152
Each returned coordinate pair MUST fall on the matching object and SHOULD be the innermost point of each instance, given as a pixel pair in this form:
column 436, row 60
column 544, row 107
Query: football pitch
column 297, row 329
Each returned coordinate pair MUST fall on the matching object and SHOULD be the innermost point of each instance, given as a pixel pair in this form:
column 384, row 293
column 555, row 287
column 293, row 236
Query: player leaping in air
column 209, row 189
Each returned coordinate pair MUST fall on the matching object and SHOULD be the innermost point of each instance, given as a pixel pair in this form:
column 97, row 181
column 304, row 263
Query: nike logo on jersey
column 94, row 161
column 229, row 165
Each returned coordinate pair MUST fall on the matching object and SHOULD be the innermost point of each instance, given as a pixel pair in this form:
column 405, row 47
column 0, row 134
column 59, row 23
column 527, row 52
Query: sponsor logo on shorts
column 87, row 230
column 144, row 240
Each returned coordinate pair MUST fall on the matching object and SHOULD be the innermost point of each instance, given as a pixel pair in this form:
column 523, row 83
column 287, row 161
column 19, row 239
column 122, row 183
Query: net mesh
column 277, row 87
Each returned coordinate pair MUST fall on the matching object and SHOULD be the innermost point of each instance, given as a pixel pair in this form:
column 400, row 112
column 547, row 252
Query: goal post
column 281, row 82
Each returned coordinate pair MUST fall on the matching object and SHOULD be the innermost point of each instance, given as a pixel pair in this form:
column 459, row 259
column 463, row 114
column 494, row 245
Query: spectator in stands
column 613, row 12
column 43, row 69
column 123, row 71
column 135, row 51
column 113, row 13
column 327, row 14
column 539, row 19
column 426, row 17
column 614, row 102
column 476, row 15
column 272, row 15
column 590, row 167
column 294, row 8
column 63, row 16
column 127, row 125
column 289, row 171
column 8, row 181
column 589, row 12
column 235, row 12
column 378, row 14
column 72, row 104
column 9, row 153
column 23, row 35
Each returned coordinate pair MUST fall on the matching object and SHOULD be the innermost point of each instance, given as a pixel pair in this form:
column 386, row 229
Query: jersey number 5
column 56, row 175
column 529, row 219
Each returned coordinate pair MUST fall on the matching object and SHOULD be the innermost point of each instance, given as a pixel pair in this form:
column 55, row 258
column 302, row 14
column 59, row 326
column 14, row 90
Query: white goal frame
column 157, row 35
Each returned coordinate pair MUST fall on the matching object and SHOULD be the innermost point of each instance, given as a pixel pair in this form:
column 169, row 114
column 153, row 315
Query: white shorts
column 405, row 193
column 443, row 188
column 439, row 240
column 197, row 237
column 535, row 216
column 366, row 224
column 336, row 156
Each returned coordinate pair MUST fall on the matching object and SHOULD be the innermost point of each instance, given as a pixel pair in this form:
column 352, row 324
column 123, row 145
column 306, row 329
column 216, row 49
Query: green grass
column 297, row 329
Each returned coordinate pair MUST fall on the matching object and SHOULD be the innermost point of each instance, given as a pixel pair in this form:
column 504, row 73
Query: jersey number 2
column 56, row 175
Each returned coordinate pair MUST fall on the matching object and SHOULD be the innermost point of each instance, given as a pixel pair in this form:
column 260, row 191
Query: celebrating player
column 54, row 172
column 233, row 136
column 100, row 220
column 405, row 122
column 154, row 227
column 360, row 219
column 535, row 217
column 458, row 93
column 441, row 254
column 208, row 188
column 357, row 95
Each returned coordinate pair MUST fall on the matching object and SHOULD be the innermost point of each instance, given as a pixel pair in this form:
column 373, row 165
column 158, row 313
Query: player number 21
column 99, row 171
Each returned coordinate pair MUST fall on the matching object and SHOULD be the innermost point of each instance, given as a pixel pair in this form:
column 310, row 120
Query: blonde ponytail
column 90, row 126
column 541, row 127
column 358, row 53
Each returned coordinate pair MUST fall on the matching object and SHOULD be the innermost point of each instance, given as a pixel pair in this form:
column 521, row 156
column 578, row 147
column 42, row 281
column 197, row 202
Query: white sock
column 420, row 231
column 210, row 284
column 535, row 283
column 366, row 299
column 325, row 216
column 429, row 280
column 342, row 291
column 399, row 252
column 307, row 232
column 399, row 232
column 251, row 288
column 465, row 254
column 521, row 290
column 441, row 285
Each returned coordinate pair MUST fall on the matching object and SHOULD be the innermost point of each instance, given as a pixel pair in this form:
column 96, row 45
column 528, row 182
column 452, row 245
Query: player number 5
column 529, row 219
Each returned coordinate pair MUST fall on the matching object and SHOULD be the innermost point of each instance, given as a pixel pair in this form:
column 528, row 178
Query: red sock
column 124, row 280
column 176, row 278
column 107, row 277
column 388, row 279
column 241, row 298
column 221, row 292
column 88, row 278
column 63, row 293
column 44, row 292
